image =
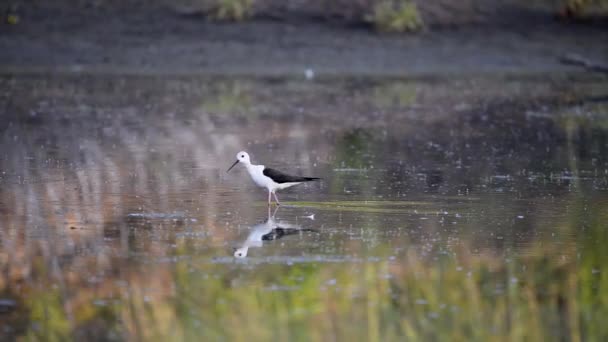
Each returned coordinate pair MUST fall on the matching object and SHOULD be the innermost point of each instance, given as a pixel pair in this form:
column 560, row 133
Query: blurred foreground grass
column 546, row 293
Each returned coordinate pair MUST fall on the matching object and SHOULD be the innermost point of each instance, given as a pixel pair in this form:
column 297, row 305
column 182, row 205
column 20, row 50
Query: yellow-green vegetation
column 232, row 10
column 12, row 19
column 580, row 7
column 543, row 293
column 394, row 95
column 395, row 16
column 465, row 298
column 47, row 311
column 385, row 15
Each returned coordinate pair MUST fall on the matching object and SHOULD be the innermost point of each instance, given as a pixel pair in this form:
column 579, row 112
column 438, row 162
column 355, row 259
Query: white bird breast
column 257, row 174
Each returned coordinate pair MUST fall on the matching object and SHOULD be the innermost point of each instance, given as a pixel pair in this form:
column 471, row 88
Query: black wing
column 280, row 177
column 279, row 232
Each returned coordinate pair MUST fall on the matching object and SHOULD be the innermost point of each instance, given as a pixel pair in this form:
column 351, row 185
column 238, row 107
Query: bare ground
column 157, row 39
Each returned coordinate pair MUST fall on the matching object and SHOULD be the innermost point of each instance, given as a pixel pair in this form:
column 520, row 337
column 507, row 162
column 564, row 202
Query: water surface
column 469, row 208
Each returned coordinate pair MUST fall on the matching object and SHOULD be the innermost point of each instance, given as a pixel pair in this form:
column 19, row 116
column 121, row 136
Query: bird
column 268, row 231
column 268, row 178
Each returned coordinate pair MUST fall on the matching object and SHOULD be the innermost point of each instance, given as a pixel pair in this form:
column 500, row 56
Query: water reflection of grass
column 394, row 95
column 230, row 97
column 462, row 298
column 386, row 207
column 546, row 294
column 362, row 203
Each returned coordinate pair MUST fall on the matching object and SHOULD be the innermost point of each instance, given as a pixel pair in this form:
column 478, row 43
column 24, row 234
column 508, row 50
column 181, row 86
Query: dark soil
column 152, row 37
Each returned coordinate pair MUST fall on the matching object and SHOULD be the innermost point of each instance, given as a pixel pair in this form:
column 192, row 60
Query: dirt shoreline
column 161, row 42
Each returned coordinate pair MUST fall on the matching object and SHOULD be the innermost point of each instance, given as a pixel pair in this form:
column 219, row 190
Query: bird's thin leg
column 276, row 198
column 269, row 198
column 275, row 211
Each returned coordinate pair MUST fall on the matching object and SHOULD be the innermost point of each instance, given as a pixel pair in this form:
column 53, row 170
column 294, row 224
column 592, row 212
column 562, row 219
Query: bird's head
column 241, row 157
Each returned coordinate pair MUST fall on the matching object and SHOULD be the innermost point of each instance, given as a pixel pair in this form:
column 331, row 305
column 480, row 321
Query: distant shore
column 161, row 41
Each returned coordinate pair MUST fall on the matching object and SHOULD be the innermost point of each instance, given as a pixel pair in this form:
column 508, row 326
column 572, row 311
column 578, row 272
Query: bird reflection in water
column 270, row 230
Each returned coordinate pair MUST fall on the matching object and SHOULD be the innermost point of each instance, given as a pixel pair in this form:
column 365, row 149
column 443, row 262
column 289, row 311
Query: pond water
column 469, row 208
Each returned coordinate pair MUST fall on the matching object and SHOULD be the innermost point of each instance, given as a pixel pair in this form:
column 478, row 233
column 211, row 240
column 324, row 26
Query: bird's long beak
column 236, row 162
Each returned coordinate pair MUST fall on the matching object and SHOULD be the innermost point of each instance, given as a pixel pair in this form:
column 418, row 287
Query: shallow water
column 474, row 206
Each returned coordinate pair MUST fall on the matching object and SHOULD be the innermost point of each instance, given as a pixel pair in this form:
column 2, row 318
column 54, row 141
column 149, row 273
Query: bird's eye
column 242, row 156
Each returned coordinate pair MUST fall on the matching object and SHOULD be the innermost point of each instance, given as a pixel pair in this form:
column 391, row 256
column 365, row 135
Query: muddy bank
column 155, row 39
